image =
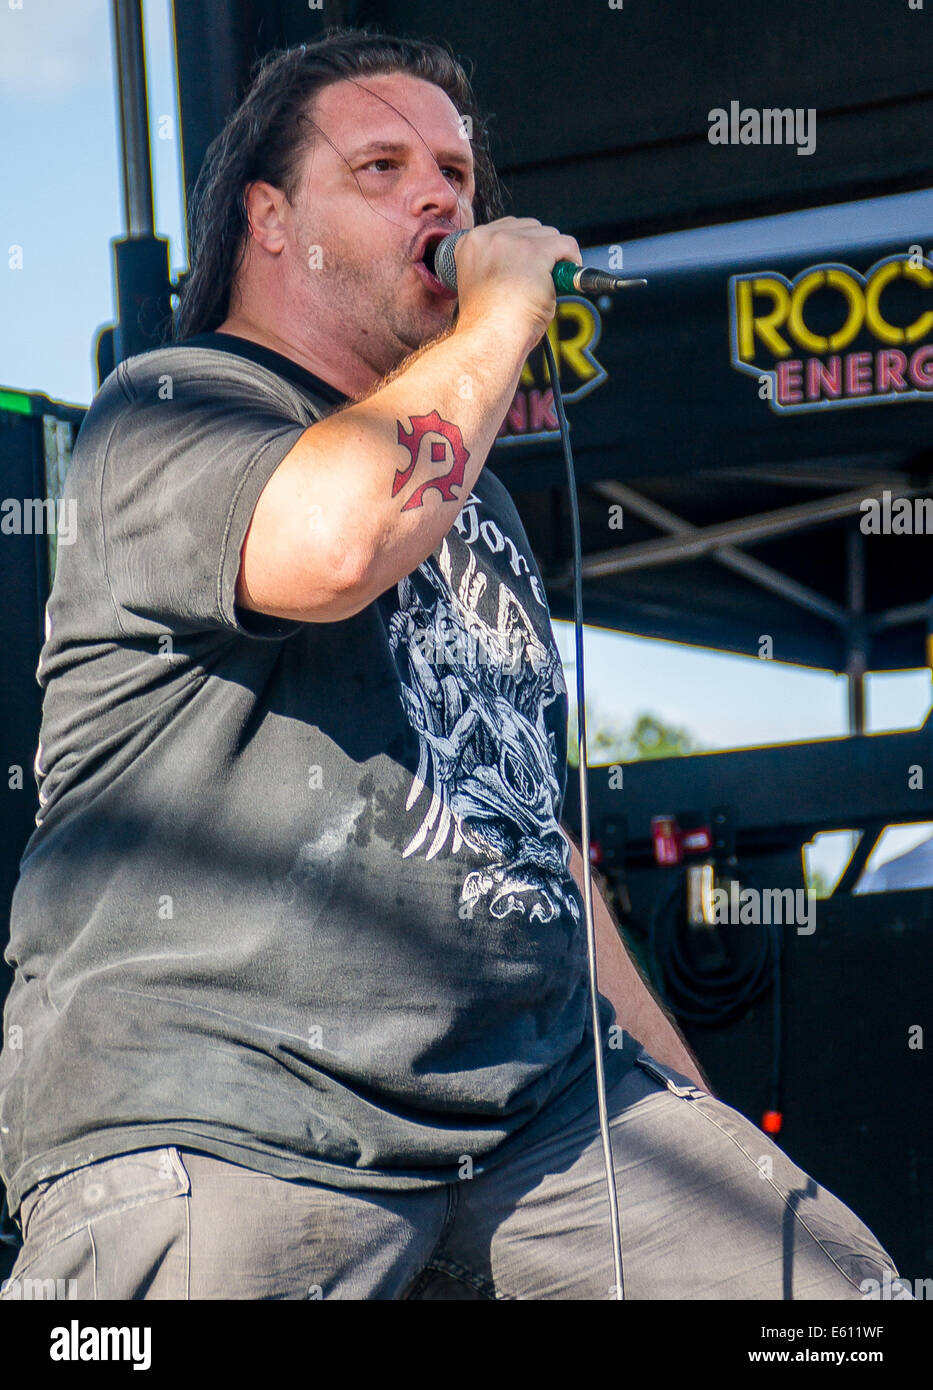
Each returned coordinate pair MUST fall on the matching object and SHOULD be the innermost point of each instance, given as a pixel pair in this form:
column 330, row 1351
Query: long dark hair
column 266, row 136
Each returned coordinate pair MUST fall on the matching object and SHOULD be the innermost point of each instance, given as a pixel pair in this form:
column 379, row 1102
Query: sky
column 62, row 204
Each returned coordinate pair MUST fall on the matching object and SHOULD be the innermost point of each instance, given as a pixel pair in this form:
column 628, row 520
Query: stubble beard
column 367, row 301
column 395, row 326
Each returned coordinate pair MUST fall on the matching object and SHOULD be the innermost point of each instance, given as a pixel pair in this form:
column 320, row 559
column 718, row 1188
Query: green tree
column 819, row 883
column 647, row 737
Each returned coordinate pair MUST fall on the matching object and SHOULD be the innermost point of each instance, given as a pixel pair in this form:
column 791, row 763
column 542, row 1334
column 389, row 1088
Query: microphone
column 567, row 275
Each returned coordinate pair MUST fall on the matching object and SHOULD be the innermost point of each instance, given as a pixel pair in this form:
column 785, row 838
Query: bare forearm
column 366, row 495
column 461, row 389
column 369, row 492
column 636, row 1008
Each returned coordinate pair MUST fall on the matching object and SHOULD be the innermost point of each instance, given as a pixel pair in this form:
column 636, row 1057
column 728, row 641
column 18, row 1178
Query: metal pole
column 142, row 275
column 755, row 570
column 672, row 550
column 134, row 117
column 858, row 655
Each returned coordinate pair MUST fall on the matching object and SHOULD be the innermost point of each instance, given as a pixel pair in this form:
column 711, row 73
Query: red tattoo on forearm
column 411, row 439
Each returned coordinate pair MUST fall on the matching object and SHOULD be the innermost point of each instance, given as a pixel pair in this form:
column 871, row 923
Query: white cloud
column 51, row 48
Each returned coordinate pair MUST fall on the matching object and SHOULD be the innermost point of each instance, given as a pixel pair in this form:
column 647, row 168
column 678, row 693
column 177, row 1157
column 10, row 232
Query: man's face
column 356, row 227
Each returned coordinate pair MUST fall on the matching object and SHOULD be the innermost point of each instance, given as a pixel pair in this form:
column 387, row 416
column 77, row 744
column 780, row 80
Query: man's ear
column 264, row 204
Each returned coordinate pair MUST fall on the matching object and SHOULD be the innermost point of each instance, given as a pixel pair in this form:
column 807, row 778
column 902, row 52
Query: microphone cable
column 567, row 277
column 715, row 998
column 615, row 1221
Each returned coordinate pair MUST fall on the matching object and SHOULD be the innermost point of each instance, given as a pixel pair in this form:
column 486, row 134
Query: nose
column 434, row 193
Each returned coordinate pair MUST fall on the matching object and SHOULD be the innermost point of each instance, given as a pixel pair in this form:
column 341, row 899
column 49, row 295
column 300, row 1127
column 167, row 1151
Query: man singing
column 300, row 1005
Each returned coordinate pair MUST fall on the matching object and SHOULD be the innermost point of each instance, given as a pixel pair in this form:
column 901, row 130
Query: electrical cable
column 615, row 1221
column 717, row 998
column 705, row 997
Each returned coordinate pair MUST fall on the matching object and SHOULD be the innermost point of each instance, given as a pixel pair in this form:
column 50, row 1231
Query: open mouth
column 427, row 255
column 425, row 268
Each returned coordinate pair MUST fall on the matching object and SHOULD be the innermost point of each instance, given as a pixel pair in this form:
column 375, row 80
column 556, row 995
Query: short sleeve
column 190, row 450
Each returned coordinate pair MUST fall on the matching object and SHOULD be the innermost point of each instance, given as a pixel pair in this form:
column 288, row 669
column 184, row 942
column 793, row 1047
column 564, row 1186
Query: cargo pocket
column 674, row 1081
column 66, row 1204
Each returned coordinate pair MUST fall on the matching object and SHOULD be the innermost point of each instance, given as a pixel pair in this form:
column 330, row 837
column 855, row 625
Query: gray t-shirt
column 297, row 894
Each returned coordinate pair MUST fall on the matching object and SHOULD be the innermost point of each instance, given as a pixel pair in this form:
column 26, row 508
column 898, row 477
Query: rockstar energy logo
column 573, row 333
column 833, row 337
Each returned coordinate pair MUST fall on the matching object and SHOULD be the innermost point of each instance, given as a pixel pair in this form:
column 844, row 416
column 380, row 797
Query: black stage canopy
column 752, row 446
column 602, row 112
column 602, row 126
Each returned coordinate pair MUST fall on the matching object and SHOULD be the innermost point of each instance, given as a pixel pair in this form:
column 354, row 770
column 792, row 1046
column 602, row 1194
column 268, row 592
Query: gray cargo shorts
column 710, row 1208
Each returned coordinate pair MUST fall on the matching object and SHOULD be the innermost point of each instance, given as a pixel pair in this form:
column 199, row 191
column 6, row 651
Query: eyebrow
column 398, row 147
